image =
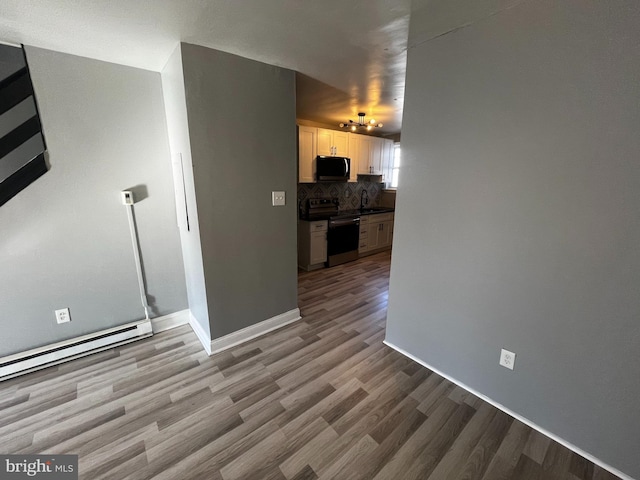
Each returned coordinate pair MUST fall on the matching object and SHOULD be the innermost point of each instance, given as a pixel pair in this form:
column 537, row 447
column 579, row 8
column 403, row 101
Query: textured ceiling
column 351, row 55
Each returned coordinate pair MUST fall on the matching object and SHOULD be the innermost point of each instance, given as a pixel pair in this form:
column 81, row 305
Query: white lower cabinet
column 376, row 233
column 312, row 244
column 318, row 249
column 363, row 244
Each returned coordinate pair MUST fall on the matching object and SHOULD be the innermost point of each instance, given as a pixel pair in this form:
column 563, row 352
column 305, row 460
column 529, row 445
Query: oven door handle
column 343, row 222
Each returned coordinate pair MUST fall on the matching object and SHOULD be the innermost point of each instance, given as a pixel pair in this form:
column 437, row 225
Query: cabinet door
column 374, row 237
column 341, row 144
column 318, row 252
column 364, row 154
column 325, row 142
column 354, row 156
column 375, row 162
column 385, row 235
column 307, row 138
column 387, row 160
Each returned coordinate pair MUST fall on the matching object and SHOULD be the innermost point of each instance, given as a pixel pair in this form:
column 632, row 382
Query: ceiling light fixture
column 361, row 123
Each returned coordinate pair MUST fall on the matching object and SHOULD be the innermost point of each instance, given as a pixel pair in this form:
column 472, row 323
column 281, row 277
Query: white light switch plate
column 277, row 199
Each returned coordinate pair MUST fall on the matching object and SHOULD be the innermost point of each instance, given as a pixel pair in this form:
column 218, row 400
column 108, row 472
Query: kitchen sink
column 375, row 210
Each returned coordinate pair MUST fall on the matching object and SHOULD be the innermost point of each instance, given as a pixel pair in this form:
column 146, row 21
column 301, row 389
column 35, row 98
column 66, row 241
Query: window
column 395, row 169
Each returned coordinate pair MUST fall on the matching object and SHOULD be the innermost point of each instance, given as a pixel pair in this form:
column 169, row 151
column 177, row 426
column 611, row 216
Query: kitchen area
column 346, row 210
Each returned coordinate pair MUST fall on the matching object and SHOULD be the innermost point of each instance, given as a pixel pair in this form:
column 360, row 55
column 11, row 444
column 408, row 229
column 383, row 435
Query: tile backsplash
column 348, row 194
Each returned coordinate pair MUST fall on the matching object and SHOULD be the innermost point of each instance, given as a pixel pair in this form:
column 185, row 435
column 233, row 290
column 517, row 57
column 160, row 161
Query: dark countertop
column 353, row 212
column 367, row 211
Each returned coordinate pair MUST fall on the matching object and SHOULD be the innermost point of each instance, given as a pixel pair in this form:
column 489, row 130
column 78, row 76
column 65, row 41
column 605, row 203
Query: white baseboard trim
column 524, row 420
column 167, row 322
column 203, row 336
column 66, row 350
column 253, row 331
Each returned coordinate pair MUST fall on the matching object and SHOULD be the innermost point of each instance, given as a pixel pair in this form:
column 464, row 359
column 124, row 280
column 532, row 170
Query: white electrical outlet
column 507, row 359
column 277, row 199
column 63, row 316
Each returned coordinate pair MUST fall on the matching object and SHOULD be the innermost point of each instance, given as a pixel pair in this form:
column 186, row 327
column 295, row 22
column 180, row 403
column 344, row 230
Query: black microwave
column 332, row 169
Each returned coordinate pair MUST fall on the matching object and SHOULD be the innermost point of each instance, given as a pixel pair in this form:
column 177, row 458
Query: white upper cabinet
column 355, row 149
column 373, row 154
column 362, row 152
column 314, row 141
column 369, row 155
column 307, row 152
column 377, row 147
column 333, row 143
column 387, row 160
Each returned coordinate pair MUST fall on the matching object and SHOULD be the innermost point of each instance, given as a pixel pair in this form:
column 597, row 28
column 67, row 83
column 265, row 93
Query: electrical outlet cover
column 63, row 316
column 507, row 359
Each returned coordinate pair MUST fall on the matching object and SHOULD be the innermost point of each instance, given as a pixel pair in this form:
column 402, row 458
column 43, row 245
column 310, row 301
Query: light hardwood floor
column 321, row 398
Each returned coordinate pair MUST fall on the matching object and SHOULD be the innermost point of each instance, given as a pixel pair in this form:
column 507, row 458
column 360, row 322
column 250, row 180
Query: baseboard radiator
column 42, row 357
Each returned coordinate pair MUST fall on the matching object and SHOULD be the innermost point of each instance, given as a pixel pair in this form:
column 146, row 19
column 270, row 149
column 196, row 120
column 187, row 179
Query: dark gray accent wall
column 64, row 241
column 242, row 127
column 517, row 218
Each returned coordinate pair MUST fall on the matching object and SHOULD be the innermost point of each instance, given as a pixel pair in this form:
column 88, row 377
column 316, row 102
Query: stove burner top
column 321, row 208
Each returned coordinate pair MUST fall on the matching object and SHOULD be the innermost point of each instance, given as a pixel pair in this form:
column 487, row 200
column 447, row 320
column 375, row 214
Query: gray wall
column 242, row 127
column 64, row 241
column 517, row 221
column 11, row 60
column 178, row 130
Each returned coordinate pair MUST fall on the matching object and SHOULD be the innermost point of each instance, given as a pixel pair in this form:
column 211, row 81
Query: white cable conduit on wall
column 128, row 201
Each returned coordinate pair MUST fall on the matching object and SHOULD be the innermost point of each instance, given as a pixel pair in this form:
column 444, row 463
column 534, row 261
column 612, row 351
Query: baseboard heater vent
column 42, row 357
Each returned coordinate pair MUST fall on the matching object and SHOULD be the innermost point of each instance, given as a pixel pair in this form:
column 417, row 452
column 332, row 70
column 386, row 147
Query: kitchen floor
column 320, row 398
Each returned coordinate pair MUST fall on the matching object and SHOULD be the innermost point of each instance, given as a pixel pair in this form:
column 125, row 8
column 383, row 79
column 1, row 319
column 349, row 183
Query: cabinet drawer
column 381, row 217
column 364, row 219
column 318, row 226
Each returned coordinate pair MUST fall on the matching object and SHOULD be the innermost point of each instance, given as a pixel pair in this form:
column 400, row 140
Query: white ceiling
column 351, row 53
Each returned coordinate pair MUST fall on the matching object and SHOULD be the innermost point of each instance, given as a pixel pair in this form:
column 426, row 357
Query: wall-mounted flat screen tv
column 22, row 144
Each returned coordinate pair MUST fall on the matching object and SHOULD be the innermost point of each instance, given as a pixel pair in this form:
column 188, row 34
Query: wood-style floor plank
column 322, row 398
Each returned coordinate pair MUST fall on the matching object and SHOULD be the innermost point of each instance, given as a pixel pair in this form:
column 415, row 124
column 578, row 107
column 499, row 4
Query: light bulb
column 372, row 121
column 379, row 125
column 342, row 125
column 368, row 127
column 353, row 128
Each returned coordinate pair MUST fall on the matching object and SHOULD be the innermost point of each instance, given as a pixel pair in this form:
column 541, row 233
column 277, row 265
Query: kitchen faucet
column 364, row 199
